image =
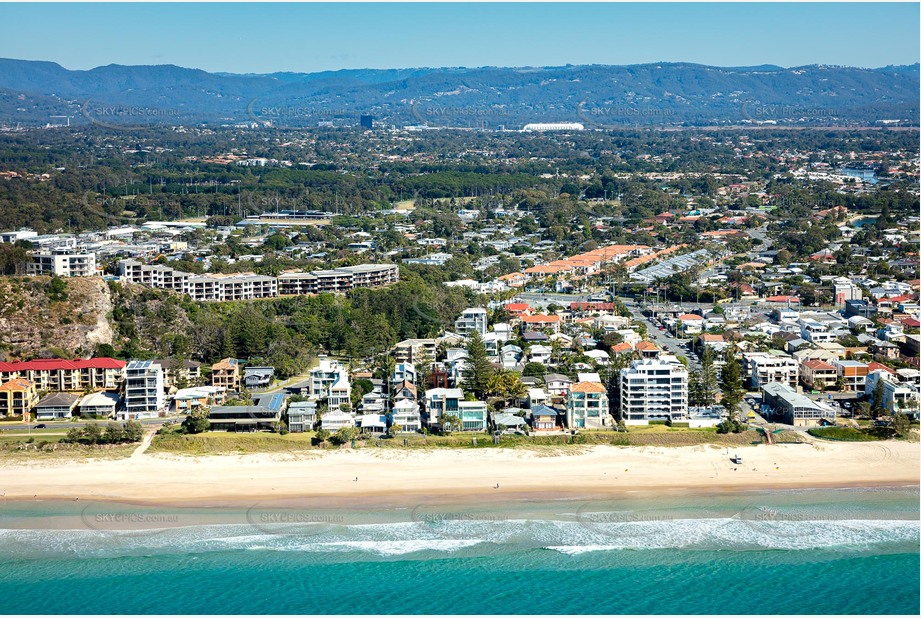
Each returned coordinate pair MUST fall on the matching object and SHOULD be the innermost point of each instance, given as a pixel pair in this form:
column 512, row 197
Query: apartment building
column 587, row 406
column 222, row 287
column 17, row 397
column 774, row 366
column 654, row 389
column 144, row 396
column 63, row 263
column 415, row 350
column 67, row 375
column 226, row 373
column 853, row 374
column 470, row 321
column 818, row 374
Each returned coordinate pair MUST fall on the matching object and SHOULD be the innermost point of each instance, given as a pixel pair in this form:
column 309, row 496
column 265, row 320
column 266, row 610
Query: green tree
column 451, row 422
column 479, row 369
column 534, row 370
column 901, row 424
column 709, row 381
column 197, row 422
column 57, row 289
column 876, row 409
column 113, row 434
column 92, row 434
column 731, row 385
column 345, row 434
column 133, row 431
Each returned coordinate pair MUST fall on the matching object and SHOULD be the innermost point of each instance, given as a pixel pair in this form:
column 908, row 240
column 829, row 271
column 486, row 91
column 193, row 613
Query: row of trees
column 114, row 433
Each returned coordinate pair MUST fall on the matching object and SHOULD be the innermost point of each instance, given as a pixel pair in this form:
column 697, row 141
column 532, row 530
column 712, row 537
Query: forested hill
column 666, row 94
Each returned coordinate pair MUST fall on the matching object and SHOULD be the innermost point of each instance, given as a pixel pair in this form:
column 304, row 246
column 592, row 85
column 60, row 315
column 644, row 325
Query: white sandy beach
column 597, row 470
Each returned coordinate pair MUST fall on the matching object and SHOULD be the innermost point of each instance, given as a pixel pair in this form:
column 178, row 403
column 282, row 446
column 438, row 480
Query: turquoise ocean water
column 849, row 551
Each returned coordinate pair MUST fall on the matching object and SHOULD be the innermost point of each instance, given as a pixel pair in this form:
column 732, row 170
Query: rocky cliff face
column 39, row 319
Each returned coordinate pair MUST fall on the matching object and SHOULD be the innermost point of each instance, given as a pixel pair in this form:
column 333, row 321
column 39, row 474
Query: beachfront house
column 406, row 415
column 330, row 381
column 372, row 423
column 334, row 420
column 473, row 415
column 99, row 405
column 56, row 406
column 301, row 416
column 544, row 418
column 441, row 401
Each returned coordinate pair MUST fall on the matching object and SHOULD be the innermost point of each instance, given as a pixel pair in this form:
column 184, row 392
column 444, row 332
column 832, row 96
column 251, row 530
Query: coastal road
column 679, row 347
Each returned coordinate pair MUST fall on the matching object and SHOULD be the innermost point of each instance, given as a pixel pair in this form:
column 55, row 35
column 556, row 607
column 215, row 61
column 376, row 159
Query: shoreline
column 399, row 477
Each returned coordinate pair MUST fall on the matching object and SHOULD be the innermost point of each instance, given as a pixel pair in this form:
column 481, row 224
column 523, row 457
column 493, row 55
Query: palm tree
column 514, row 388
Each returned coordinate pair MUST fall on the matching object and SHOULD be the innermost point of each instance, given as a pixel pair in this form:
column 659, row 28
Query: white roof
column 588, row 377
column 101, row 398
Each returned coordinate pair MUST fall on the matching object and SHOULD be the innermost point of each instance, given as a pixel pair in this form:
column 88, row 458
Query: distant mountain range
column 666, row 94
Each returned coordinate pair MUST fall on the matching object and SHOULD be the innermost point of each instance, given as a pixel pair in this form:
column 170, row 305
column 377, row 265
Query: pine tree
column 731, row 384
column 695, row 394
column 709, row 382
column 479, row 370
column 877, row 407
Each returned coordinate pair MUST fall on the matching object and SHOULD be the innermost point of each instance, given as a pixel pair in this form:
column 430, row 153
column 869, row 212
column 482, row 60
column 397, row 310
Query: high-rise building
column 654, row 389
column 367, row 121
column 144, row 397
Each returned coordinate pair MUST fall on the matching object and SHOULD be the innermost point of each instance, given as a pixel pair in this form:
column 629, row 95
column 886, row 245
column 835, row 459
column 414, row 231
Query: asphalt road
column 662, row 338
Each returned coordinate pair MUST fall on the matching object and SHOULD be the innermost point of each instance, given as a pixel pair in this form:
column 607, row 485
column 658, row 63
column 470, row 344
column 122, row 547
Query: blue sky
column 262, row 38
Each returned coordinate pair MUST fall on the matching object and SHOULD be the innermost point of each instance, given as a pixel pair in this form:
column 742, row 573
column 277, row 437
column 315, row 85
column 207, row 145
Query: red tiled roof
column 56, row 364
column 538, row 319
column 874, row 366
column 19, row 384
column 689, row 316
column 588, row 387
column 782, row 299
column 897, row 299
column 816, row 363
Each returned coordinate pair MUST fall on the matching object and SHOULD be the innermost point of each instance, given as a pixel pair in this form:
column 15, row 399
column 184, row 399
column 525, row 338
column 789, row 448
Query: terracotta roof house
column 539, row 321
column 647, row 349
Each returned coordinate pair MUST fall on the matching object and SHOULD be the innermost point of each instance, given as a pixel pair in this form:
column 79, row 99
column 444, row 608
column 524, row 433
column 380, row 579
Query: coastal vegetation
column 220, row 443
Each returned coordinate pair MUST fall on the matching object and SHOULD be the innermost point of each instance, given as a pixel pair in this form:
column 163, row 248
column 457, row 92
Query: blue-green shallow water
column 531, row 581
column 805, row 552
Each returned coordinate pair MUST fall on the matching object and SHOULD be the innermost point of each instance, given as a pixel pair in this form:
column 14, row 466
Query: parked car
column 41, row 426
